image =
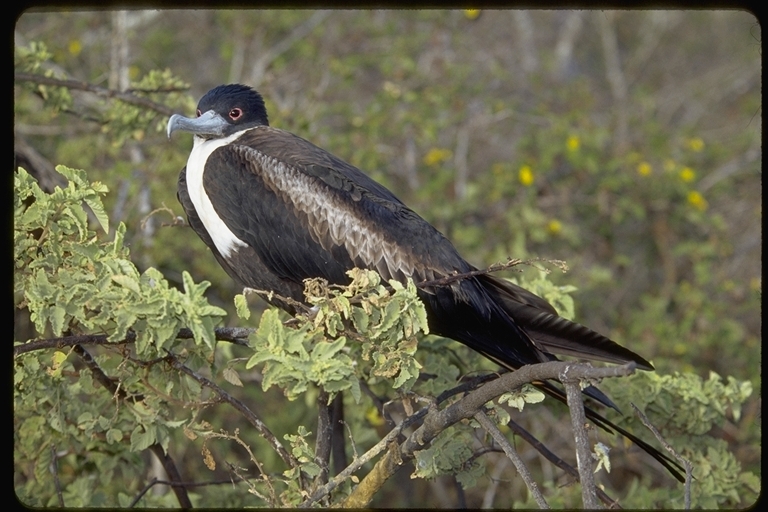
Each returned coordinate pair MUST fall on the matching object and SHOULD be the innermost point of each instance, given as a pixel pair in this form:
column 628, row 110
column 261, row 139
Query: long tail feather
column 602, row 422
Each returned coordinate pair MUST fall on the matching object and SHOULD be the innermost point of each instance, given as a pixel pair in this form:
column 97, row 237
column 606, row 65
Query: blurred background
column 627, row 144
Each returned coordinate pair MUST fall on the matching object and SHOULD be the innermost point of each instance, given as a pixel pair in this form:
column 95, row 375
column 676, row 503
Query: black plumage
column 275, row 209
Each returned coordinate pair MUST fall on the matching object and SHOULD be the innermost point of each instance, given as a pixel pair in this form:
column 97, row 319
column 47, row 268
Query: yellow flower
column 373, row 417
column 75, row 47
column 437, row 155
column 392, row 89
column 573, row 143
column 554, row 226
column 695, row 144
column 525, row 175
column 696, row 200
column 687, row 174
column 472, row 14
column 644, row 169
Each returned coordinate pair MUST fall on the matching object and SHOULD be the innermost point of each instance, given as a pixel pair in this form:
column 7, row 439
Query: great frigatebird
column 275, row 209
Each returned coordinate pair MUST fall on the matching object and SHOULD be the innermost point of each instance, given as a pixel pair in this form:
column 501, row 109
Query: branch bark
column 236, row 335
column 243, row 409
column 492, row 429
column 682, row 460
column 437, row 420
column 583, row 453
column 104, row 92
column 168, row 464
column 324, row 437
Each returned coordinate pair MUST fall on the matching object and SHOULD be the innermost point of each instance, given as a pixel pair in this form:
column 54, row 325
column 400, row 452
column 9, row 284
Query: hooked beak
column 207, row 125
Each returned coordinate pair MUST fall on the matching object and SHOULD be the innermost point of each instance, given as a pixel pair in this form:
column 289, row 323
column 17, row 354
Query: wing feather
column 309, row 214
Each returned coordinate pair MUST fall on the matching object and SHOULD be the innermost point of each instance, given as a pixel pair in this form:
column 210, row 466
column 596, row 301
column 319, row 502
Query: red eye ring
column 235, row 113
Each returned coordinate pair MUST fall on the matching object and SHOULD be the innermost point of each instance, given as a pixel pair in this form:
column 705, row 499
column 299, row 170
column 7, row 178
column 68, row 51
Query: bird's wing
column 553, row 333
column 307, row 213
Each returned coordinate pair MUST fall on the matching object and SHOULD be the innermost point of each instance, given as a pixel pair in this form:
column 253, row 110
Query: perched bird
column 275, row 209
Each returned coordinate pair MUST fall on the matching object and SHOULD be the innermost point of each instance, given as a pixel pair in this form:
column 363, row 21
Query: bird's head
column 222, row 111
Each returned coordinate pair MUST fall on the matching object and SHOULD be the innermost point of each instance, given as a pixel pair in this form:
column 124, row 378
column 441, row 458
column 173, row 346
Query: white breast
column 223, row 238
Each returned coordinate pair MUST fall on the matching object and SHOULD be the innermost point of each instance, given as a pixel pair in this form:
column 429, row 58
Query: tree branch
column 583, row 453
column 436, row 420
column 496, row 267
column 682, row 460
column 324, row 437
column 236, row 335
column 168, row 464
column 103, row 92
column 254, row 420
column 554, row 459
column 489, row 427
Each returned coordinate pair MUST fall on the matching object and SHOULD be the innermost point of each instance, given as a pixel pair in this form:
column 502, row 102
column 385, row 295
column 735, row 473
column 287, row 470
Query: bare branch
column 254, row 420
column 489, row 427
column 583, row 453
column 235, row 335
column 557, row 461
column 156, row 481
column 615, row 77
column 466, row 275
column 77, row 85
column 301, row 31
column 168, row 464
column 436, row 420
column 324, row 438
column 682, row 460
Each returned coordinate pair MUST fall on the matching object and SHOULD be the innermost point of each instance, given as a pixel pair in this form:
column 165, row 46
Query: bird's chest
column 225, row 240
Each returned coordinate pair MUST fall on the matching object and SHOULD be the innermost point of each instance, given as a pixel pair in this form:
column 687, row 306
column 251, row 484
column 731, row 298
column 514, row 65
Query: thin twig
column 557, row 461
column 168, row 464
column 272, row 500
column 235, row 335
column 55, row 471
column 682, row 460
column 125, row 97
column 249, row 415
column 156, row 481
column 269, row 295
column 502, row 441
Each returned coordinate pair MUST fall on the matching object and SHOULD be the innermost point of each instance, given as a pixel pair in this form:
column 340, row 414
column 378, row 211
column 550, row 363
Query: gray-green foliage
column 73, row 283
column 355, row 331
column 451, row 453
column 686, row 408
column 70, row 281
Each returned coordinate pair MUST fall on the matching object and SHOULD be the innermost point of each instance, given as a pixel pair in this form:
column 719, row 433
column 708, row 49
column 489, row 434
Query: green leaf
column 231, row 376
column 142, row 438
column 127, row 282
column 114, row 435
column 241, row 306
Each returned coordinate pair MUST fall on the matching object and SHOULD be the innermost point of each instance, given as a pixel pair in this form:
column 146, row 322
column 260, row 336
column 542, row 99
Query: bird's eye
column 199, row 113
column 235, row 114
